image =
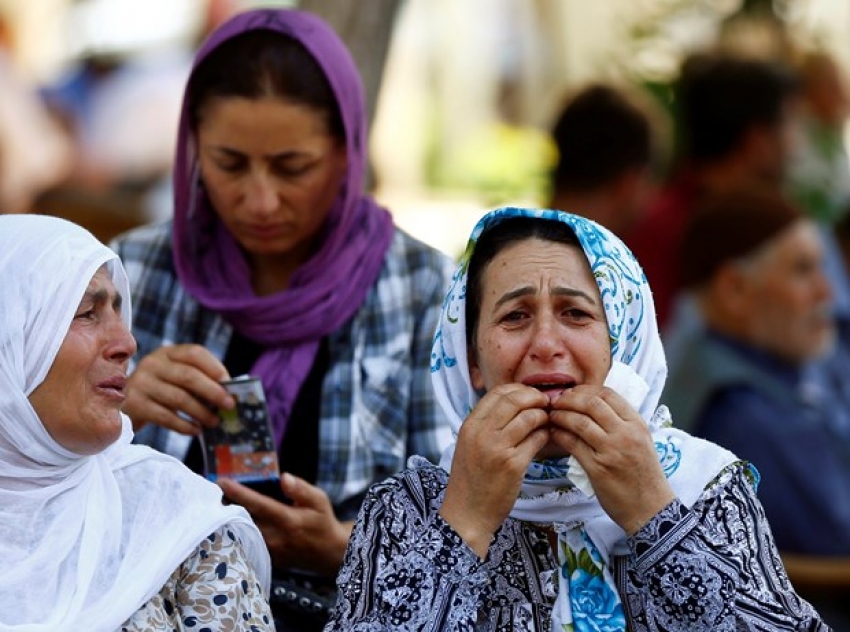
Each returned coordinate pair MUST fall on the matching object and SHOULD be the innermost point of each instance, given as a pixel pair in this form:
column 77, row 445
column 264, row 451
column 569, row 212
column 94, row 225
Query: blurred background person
column 754, row 380
column 819, row 173
column 735, row 127
column 607, row 157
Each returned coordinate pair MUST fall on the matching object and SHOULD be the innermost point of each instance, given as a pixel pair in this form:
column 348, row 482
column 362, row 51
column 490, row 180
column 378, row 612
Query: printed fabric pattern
column 214, row 589
column 687, row 569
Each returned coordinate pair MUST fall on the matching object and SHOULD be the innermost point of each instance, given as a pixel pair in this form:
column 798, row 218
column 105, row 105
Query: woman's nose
column 121, row 345
column 260, row 195
column 547, row 341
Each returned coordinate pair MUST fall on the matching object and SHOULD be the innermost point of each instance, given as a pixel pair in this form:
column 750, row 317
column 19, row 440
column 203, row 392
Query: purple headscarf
column 328, row 288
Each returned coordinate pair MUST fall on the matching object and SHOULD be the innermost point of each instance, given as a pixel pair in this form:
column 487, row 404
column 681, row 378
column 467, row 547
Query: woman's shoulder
column 421, row 480
column 407, row 251
column 136, row 242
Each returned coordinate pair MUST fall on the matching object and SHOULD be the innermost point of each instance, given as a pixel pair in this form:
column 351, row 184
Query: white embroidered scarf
column 558, row 492
column 84, row 540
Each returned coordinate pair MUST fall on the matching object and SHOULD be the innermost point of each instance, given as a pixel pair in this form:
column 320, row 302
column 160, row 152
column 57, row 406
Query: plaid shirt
column 378, row 406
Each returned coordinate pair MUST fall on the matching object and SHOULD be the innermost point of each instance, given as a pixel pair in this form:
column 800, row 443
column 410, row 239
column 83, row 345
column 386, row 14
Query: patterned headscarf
column 85, row 540
column 557, row 491
column 328, row 288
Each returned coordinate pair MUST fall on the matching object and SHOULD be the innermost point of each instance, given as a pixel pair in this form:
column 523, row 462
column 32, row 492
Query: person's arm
column 405, row 568
column 715, row 566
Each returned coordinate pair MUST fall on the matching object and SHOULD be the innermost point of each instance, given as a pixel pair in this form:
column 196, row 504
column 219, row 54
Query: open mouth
column 553, row 390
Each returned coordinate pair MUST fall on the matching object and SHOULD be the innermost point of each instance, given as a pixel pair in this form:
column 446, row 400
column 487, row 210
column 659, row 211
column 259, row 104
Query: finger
column 504, row 402
column 583, row 427
column 532, row 444
column 194, row 369
column 589, row 402
column 176, row 399
column 620, row 405
column 302, row 493
column 150, row 400
column 260, row 506
column 167, row 418
column 200, row 358
column 524, row 425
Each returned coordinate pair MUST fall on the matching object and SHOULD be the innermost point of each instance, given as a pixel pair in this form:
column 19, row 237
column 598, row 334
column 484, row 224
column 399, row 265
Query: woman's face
column 79, row 402
column 272, row 172
column 542, row 322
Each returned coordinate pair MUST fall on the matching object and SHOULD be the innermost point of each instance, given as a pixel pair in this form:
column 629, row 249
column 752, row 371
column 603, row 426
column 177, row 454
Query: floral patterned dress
column 709, row 567
column 214, row 589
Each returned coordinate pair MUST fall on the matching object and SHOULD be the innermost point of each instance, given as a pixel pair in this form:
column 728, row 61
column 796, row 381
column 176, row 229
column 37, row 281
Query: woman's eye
column 513, row 316
column 88, row 314
column 292, row 170
column 230, row 166
column 576, row 314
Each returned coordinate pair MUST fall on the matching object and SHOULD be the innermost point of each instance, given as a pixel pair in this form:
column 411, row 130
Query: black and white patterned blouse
column 711, row 567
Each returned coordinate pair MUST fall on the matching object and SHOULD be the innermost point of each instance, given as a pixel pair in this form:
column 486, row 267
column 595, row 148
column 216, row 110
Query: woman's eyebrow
column 101, row 297
column 569, row 291
column 557, row 291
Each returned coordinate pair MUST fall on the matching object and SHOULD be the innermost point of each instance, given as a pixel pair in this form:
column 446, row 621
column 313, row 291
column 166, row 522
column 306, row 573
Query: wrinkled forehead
column 533, row 260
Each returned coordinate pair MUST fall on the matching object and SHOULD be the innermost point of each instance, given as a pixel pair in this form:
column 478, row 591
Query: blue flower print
column 596, row 608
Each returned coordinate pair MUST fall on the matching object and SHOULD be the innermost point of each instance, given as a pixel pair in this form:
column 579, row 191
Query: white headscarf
column 557, row 492
column 84, row 540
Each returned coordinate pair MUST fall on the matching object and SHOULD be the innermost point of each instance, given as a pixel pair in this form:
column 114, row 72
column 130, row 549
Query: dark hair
column 599, row 135
column 264, row 63
column 495, row 239
column 719, row 98
column 732, row 225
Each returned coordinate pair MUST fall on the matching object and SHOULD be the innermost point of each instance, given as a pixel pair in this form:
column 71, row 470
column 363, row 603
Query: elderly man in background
column 760, row 377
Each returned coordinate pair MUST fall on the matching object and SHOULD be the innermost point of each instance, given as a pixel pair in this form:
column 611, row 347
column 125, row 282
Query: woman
column 96, row 533
column 276, row 264
column 567, row 502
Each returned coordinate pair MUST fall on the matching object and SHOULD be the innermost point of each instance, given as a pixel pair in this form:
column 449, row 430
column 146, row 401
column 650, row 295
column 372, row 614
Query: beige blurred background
column 468, row 89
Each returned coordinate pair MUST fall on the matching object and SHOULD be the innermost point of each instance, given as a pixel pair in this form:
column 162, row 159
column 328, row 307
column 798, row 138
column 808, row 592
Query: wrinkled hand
column 304, row 535
column 614, row 446
column 494, row 447
column 179, row 378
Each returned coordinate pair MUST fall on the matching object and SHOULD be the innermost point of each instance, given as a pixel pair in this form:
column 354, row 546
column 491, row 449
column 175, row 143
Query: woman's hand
column 177, row 379
column 304, row 535
column 494, row 447
column 614, row 446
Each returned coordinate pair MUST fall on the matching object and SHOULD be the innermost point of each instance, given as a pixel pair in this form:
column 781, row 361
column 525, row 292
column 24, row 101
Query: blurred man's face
column 788, row 296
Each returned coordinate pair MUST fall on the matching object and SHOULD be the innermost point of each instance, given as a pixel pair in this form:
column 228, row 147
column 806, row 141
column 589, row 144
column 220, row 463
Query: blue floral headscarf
column 557, row 492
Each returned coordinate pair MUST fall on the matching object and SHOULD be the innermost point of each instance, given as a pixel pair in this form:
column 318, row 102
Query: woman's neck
column 272, row 273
